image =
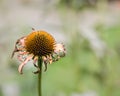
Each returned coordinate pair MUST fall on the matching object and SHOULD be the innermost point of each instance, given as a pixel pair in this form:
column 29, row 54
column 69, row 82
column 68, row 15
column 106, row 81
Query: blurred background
column 90, row 30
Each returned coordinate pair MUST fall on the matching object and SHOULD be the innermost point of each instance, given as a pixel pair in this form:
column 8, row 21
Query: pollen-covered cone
column 39, row 43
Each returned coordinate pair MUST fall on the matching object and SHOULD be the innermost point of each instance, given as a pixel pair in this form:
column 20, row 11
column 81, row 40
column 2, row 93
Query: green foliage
column 77, row 4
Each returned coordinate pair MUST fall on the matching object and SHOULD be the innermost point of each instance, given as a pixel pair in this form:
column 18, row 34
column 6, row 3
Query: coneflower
column 38, row 46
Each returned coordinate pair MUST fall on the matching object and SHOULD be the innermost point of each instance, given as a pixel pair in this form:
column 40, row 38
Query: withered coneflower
column 38, row 44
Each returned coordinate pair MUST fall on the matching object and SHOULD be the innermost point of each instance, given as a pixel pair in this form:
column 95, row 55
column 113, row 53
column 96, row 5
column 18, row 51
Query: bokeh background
column 90, row 30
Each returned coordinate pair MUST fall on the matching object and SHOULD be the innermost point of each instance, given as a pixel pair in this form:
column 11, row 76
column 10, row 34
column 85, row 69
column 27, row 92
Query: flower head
column 38, row 44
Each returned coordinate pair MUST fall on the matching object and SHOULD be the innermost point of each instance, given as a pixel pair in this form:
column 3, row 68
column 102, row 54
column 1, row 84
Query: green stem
column 40, row 76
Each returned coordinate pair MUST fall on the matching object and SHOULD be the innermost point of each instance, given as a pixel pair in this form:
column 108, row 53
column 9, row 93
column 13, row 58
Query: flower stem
column 40, row 76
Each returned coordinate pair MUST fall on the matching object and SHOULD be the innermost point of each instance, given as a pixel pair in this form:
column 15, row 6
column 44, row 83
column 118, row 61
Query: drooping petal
column 23, row 63
column 34, row 63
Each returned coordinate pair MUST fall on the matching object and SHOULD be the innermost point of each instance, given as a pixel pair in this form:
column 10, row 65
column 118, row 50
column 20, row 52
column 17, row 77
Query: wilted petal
column 59, row 48
column 22, row 65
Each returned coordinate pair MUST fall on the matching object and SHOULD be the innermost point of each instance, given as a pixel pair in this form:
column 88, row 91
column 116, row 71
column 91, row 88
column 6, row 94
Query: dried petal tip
column 33, row 29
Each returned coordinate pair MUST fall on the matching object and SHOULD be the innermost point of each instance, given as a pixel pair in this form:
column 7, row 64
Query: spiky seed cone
column 39, row 43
